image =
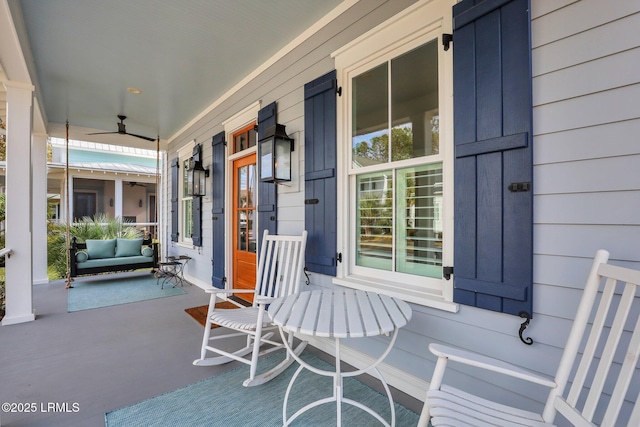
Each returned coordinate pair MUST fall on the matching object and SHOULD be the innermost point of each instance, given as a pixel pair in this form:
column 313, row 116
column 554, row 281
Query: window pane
column 414, row 103
column 419, row 220
column 370, row 132
column 253, row 137
column 374, row 218
column 185, row 178
column 240, row 142
column 188, row 218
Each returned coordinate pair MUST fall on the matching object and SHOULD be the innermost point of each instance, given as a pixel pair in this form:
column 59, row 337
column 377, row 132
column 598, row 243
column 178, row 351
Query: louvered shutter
column 493, row 198
column 320, row 210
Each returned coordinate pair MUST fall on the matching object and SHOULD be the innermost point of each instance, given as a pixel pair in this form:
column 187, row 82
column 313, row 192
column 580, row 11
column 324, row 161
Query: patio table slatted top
column 344, row 313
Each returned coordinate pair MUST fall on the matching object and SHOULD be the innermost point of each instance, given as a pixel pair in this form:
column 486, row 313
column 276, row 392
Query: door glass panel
column 246, row 225
column 251, row 185
column 242, row 187
column 251, row 232
column 370, row 136
column 414, row 103
column 242, row 230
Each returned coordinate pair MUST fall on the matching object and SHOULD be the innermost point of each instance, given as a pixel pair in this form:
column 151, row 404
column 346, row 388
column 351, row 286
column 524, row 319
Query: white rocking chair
column 611, row 368
column 279, row 274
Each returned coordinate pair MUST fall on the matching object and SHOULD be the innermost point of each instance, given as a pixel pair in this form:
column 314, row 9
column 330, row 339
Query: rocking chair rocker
column 601, row 379
column 279, row 274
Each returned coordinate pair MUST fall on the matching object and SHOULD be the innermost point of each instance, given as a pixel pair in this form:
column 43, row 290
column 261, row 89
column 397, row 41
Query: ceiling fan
column 122, row 130
column 136, row 184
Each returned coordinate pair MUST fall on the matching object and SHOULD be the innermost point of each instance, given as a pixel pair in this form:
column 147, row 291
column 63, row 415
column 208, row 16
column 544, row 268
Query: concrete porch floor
column 98, row 360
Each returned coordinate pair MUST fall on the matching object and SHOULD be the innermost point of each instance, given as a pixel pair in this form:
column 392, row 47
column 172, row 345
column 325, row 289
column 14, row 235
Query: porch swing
column 113, row 255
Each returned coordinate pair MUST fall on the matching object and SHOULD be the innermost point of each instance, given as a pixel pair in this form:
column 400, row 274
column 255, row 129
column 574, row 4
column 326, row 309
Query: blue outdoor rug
column 104, row 291
column 222, row 401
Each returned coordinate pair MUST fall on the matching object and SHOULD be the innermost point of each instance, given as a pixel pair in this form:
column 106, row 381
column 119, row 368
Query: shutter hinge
column 446, row 41
column 447, row 272
column 338, row 257
column 339, row 90
column 224, row 279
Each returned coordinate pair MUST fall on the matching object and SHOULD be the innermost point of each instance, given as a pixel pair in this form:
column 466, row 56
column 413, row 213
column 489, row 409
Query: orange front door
column 244, row 225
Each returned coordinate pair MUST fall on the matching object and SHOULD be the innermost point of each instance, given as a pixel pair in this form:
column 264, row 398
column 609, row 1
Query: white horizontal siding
column 593, row 142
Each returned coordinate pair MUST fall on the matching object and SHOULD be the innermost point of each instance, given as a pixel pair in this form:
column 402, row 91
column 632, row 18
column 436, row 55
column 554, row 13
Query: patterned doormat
column 199, row 314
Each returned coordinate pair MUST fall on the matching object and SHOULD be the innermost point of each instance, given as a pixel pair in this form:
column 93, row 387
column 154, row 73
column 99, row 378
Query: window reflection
column 407, row 112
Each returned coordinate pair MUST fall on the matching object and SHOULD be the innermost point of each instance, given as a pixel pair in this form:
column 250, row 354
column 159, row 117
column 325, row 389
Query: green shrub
column 100, row 226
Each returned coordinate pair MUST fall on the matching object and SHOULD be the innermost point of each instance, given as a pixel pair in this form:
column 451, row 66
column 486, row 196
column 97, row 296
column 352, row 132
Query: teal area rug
column 222, row 401
column 104, row 291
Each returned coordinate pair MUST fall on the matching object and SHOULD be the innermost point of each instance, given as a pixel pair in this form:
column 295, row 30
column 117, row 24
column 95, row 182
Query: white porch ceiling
column 182, row 55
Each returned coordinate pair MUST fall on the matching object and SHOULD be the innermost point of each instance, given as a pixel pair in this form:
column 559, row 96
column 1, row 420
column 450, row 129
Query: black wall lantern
column 275, row 155
column 196, row 174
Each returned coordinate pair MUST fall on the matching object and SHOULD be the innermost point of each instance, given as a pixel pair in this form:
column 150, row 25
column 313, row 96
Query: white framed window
column 395, row 133
column 185, row 215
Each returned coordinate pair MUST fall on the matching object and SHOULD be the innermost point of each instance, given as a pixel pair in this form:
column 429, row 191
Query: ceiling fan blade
column 141, row 136
column 101, row 133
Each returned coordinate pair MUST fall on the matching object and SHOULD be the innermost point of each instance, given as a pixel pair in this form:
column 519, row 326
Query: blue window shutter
column 320, row 212
column 493, row 236
column 267, row 196
column 196, row 234
column 217, row 211
column 175, row 178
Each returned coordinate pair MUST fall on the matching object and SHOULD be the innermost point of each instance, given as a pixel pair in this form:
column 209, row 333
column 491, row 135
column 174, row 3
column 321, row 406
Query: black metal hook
column 523, row 326
column 308, row 281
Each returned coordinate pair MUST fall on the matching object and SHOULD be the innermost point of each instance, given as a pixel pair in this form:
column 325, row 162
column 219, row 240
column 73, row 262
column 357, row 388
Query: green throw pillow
column 81, row 256
column 128, row 247
column 147, row 252
column 101, row 248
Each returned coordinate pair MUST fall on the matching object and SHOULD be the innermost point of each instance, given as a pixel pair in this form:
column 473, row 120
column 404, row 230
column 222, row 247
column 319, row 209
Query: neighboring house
column 104, row 179
column 474, row 179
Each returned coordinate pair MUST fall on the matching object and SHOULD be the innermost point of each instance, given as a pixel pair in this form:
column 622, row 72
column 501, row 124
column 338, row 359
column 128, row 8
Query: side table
column 339, row 314
column 172, row 270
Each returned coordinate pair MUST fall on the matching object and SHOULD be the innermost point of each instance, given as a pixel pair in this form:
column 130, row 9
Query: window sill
column 424, row 297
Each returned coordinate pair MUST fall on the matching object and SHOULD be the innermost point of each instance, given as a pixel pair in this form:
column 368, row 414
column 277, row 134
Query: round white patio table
column 345, row 313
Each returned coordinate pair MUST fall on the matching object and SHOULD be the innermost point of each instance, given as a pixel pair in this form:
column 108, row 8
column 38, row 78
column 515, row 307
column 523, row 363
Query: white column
column 39, row 209
column 19, row 283
column 118, row 198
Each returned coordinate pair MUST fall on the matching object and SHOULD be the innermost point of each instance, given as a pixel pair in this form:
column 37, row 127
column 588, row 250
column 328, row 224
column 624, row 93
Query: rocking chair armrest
column 489, row 363
column 264, row 300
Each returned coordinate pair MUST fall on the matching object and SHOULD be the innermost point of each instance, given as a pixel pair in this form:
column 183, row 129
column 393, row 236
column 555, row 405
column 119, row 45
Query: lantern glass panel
column 266, row 159
column 283, row 160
